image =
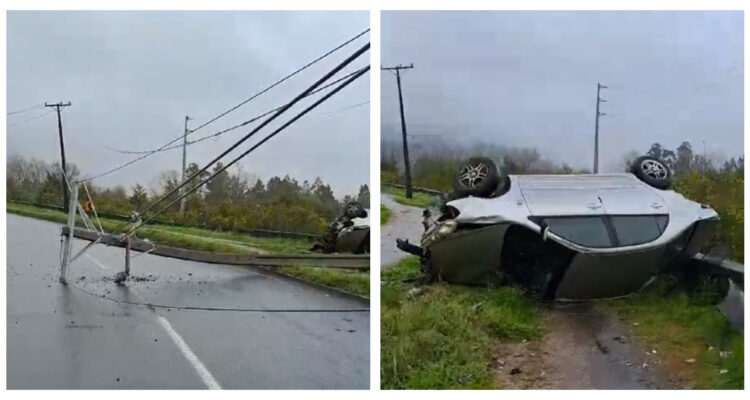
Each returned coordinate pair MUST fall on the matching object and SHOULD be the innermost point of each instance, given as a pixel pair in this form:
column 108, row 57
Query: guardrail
column 432, row 192
column 732, row 269
column 343, row 261
column 157, row 221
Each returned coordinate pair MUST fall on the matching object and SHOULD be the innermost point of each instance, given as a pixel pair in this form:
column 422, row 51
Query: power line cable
column 38, row 106
column 131, row 162
column 235, row 309
column 248, row 151
column 304, row 67
column 221, row 132
column 299, row 97
column 266, row 122
column 32, row 118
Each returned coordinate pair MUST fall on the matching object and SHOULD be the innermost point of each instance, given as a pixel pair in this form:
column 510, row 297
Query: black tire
column 652, row 172
column 354, row 210
column 477, row 177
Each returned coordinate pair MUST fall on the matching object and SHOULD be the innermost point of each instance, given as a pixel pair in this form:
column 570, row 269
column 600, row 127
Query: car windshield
column 608, row 230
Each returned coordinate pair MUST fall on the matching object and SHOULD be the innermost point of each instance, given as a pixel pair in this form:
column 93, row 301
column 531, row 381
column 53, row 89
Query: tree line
column 434, row 164
column 229, row 201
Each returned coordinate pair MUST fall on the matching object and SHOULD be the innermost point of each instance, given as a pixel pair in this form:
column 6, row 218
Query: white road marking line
column 95, row 261
column 201, row 369
column 194, row 361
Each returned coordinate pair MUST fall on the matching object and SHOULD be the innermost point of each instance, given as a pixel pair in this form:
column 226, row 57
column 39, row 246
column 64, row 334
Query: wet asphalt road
column 60, row 337
column 405, row 223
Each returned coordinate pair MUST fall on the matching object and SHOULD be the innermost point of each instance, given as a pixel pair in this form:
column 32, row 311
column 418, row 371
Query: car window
column 585, row 231
column 637, row 229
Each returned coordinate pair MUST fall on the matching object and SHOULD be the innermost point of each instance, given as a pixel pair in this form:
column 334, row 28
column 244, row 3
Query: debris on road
column 120, row 278
column 620, row 339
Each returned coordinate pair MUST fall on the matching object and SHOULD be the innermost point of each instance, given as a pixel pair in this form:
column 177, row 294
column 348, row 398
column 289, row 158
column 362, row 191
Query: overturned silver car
column 348, row 233
column 564, row 237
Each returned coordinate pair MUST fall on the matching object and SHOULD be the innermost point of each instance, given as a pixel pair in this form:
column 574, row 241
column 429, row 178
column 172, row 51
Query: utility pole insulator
column 407, row 165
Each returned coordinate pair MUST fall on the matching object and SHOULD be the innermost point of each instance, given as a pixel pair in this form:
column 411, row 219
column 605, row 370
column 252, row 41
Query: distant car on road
column 564, row 237
column 348, row 233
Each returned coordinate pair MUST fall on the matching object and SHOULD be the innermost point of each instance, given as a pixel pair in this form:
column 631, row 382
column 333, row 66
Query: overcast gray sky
column 133, row 76
column 529, row 79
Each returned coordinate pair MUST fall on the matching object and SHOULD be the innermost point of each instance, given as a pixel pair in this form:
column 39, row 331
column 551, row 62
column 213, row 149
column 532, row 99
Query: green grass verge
column 356, row 282
column 224, row 242
column 680, row 330
column 385, row 214
column 442, row 338
column 185, row 237
column 420, row 200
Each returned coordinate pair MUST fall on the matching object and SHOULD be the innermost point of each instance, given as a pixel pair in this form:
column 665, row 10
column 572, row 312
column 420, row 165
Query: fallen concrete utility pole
column 68, row 243
column 343, row 261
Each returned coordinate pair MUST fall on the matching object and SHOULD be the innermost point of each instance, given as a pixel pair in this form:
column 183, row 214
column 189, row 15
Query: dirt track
column 585, row 347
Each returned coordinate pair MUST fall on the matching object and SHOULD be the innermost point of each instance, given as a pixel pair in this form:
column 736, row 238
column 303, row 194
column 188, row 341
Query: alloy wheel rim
column 654, row 169
column 472, row 175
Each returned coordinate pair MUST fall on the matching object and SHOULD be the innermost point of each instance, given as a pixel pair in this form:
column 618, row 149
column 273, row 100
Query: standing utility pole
column 184, row 164
column 407, row 166
column 599, row 87
column 57, row 107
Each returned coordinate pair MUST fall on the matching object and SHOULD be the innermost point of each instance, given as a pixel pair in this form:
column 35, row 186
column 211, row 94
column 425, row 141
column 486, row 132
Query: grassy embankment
column 441, row 336
column 385, row 214
column 419, row 200
column 224, row 242
column 689, row 337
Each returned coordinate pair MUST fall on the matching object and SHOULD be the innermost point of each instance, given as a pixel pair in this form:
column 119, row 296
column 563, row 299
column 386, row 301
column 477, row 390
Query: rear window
column 585, row 231
column 637, row 229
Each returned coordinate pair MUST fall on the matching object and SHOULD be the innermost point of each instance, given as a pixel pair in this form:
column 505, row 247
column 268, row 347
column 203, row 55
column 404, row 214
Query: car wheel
column 355, row 210
column 652, row 171
column 477, row 177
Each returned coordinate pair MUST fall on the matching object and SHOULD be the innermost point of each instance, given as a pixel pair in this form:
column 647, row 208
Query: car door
column 631, row 197
column 561, row 195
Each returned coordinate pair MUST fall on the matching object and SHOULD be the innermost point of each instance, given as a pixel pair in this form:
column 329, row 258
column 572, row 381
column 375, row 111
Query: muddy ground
column 585, row 347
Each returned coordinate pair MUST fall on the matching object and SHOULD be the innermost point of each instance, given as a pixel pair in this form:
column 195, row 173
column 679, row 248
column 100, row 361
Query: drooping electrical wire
column 164, row 146
column 231, row 128
column 44, row 114
column 299, row 97
column 35, row 107
column 246, row 152
column 304, row 67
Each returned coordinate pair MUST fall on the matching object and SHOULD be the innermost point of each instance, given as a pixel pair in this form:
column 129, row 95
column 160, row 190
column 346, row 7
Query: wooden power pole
column 407, row 166
column 57, row 107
